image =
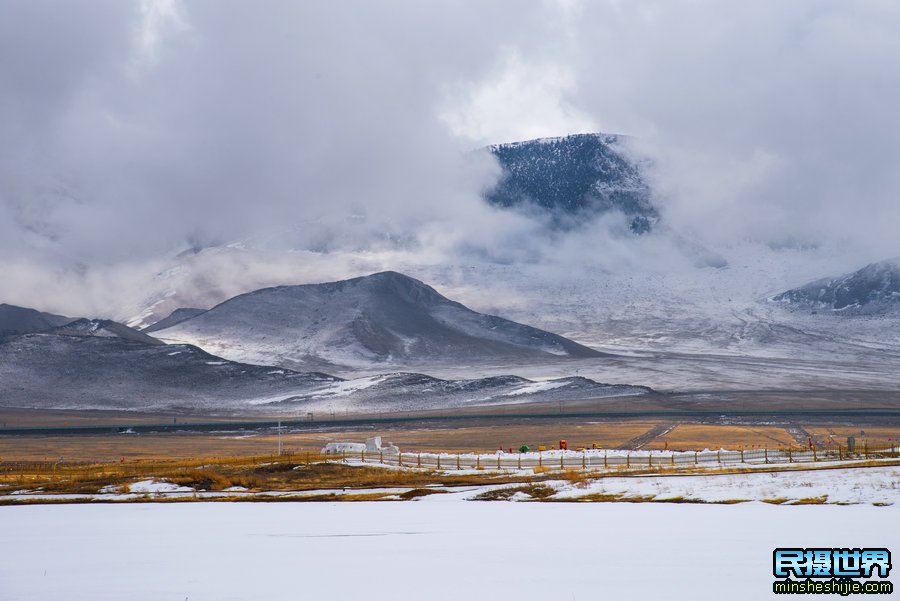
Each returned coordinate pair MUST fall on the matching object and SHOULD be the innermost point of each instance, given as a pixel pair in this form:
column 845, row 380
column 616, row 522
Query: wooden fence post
column 742, row 454
column 519, row 464
column 438, row 461
column 478, row 461
column 649, row 458
column 457, row 462
column 696, row 457
column 766, row 450
column 604, row 459
column 627, row 459
column 498, row 462
column 790, row 457
column 815, row 458
column 400, row 458
column 561, row 456
column 419, row 459
column 719, row 456
column 381, row 456
column 583, row 460
column 540, row 460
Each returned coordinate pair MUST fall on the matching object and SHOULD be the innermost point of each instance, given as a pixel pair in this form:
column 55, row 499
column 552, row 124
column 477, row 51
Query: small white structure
column 372, row 445
column 336, row 448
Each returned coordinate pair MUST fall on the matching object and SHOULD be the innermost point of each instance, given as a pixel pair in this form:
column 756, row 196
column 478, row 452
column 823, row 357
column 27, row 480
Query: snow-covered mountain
column 53, row 371
column 22, row 320
column 382, row 319
column 110, row 372
column 874, row 289
column 573, row 178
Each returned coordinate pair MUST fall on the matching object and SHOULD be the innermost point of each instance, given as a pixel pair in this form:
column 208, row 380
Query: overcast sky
column 130, row 131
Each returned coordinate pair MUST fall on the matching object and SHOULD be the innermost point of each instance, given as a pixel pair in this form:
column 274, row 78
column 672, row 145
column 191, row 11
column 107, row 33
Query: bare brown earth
column 584, row 433
column 860, row 432
column 652, row 421
column 184, row 445
column 693, row 436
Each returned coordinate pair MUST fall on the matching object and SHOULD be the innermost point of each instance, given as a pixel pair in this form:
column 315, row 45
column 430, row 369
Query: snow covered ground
column 866, row 485
column 435, row 549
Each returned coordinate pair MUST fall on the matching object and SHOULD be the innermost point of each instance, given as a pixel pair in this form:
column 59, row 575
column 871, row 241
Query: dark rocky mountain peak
column 573, row 179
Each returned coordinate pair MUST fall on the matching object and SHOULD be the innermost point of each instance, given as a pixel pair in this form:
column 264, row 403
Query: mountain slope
column 109, row 372
column 412, row 391
column 104, row 328
column 175, row 317
column 573, row 178
column 871, row 290
column 51, row 371
column 22, row 320
column 385, row 318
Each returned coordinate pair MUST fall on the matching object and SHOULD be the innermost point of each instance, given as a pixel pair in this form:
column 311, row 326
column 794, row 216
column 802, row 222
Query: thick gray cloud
column 130, row 131
column 769, row 120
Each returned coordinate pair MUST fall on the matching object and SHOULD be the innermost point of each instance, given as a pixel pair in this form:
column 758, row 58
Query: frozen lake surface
column 435, row 548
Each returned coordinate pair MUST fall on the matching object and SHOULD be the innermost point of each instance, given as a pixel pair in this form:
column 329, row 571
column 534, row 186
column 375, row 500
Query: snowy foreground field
column 434, row 548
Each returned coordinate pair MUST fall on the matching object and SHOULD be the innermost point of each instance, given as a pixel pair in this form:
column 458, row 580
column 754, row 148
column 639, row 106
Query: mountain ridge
column 57, row 371
column 382, row 318
column 871, row 290
column 16, row 320
column 104, row 328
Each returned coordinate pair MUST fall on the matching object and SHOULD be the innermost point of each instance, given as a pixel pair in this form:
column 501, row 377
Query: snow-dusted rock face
column 872, row 290
column 573, row 178
column 382, row 319
column 22, row 320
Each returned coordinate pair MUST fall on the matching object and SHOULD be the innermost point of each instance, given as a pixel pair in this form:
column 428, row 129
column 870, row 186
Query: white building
column 372, row 445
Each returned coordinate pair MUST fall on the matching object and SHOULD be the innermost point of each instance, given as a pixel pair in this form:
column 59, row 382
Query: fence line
column 588, row 459
column 592, row 459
